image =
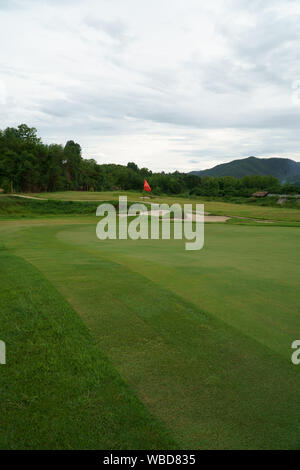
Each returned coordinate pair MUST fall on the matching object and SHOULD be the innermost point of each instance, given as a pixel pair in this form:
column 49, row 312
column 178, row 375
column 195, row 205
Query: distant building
column 260, row 194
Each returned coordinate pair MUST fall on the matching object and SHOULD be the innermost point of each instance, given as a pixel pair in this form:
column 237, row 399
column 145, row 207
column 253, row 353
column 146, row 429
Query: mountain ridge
column 285, row 169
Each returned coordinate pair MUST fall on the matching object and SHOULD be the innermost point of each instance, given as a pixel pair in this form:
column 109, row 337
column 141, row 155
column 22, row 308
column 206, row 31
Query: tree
column 133, row 166
column 26, row 164
column 28, row 134
column 72, row 159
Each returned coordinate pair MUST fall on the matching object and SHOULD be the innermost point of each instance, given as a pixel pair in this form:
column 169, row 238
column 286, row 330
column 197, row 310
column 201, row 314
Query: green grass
column 58, row 390
column 202, row 338
column 88, row 195
column 12, row 207
column 15, row 207
column 215, row 207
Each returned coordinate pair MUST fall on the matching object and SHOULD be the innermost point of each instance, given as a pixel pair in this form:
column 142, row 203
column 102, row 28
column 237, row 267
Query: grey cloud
column 151, row 107
column 9, row 4
column 130, row 81
column 116, row 29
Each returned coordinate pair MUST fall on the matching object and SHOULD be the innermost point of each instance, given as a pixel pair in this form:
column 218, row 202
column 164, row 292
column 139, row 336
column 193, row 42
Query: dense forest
column 29, row 165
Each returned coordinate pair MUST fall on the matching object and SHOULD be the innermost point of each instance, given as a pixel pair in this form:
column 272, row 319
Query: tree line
column 29, row 165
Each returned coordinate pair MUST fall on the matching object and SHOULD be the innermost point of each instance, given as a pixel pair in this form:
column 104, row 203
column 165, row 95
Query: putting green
column 203, row 338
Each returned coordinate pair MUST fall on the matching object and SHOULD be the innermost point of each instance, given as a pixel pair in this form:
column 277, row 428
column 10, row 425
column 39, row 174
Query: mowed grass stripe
column 245, row 276
column 58, row 390
column 213, row 385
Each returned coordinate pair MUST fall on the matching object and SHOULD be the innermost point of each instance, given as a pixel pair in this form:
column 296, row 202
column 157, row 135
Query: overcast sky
column 169, row 84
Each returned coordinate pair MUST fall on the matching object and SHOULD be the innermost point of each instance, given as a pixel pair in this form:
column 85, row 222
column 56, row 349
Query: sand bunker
column 189, row 216
column 216, row 218
column 29, row 197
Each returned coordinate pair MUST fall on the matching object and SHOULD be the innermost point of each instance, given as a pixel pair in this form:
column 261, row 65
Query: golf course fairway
column 198, row 343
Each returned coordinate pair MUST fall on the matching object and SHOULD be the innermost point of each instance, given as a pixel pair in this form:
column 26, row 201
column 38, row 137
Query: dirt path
column 30, row 197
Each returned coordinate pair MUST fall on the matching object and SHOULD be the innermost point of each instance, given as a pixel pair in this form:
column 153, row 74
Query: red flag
column 146, row 186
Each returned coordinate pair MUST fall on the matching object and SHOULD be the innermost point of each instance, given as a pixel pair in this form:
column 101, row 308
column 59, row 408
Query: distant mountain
column 284, row 169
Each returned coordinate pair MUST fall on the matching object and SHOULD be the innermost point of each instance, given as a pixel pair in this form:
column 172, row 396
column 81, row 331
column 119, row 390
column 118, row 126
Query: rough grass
column 215, row 207
column 12, row 207
column 58, row 390
column 88, row 195
column 203, row 338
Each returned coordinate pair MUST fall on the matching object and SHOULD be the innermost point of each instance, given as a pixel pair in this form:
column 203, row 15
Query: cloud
column 171, row 88
column 9, row 4
column 116, row 30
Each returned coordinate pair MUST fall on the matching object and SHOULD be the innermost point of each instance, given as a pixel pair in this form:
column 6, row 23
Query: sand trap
column 155, row 213
column 29, row 197
column 262, row 221
column 189, row 216
column 216, row 218
column 209, row 218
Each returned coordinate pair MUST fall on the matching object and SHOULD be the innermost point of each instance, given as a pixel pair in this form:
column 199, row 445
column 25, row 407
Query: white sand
column 28, row 197
column 189, row 216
